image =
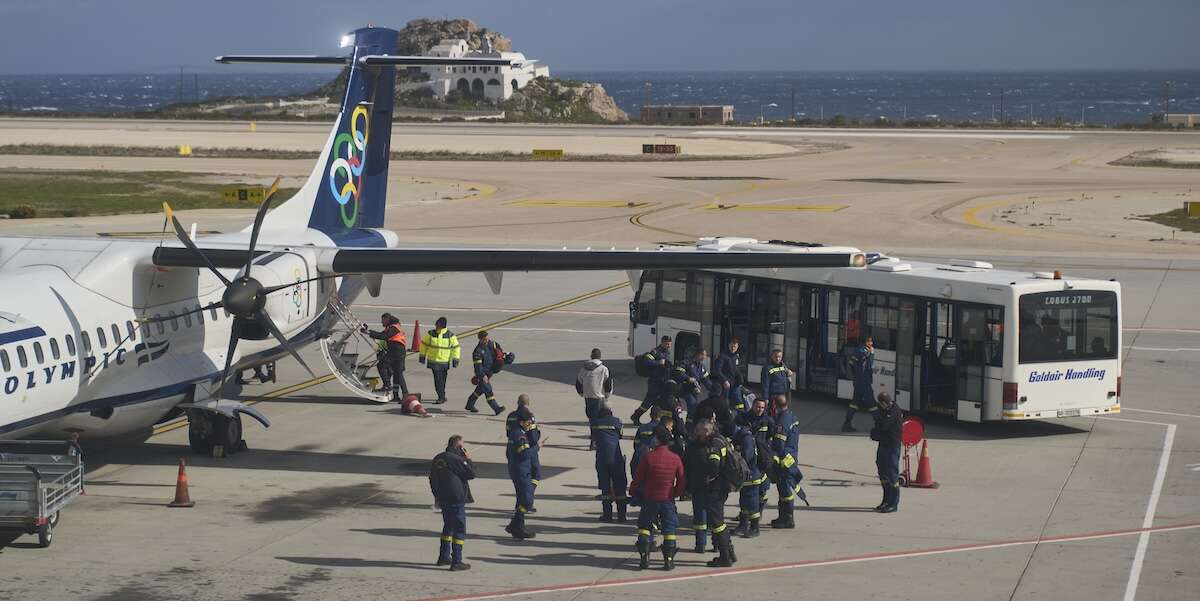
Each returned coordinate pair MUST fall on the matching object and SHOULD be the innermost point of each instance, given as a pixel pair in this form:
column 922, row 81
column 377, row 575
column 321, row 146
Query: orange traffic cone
column 412, row 404
column 416, row 339
column 181, row 489
column 924, row 471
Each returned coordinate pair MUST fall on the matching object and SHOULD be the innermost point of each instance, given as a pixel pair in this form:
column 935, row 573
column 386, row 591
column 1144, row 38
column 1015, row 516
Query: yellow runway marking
column 971, row 217
column 181, row 422
column 637, row 220
column 768, row 208
column 579, row 204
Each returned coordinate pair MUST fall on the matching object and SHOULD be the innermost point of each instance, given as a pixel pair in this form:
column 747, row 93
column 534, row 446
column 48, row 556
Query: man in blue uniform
column 727, row 373
column 695, row 467
column 533, row 434
column 448, row 479
column 761, row 426
column 749, row 496
column 655, row 366
column 862, row 367
column 610, row 463
column 693, row 379
column 776, row 377
column 483, row 358
column 785, row 448
column 520, row 471
column 887, row 430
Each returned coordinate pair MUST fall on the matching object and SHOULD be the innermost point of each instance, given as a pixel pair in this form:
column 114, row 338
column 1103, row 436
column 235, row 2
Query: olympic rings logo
column 345, row 171
column 297, row 299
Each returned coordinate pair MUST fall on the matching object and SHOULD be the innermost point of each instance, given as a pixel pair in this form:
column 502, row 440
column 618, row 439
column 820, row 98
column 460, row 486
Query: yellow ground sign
column 547, row 153
column 244, row 194
column 775, row 208
column 578, row 204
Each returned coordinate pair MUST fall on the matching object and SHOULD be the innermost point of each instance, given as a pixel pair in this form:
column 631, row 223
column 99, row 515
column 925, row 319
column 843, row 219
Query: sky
column 160, row 36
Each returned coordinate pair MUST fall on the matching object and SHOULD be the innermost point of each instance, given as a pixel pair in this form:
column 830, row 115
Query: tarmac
column 332, row 501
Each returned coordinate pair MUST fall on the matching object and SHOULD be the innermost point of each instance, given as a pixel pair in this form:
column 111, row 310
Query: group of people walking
column 708, row 437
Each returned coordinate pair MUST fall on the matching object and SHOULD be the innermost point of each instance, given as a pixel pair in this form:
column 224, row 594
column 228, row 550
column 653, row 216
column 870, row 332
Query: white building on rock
column 481, row 81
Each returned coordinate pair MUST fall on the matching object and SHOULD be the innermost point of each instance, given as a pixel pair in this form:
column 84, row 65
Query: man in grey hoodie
column 594, row 384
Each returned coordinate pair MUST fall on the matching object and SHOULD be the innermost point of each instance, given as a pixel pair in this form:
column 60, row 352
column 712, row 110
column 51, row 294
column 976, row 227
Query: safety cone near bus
column 924, row 470
column 182, row 499
column 416, row 338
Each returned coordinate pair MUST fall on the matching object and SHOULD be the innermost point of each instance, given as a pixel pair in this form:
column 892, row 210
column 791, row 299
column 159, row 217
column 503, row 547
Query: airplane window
column 21, row 358
column 70, row 345
column 101, row 338
column 4, row 361
column 213, row 313
column 132, row 331
column 187, row 320
column 200, row 315
column 54, row 349
column 116, row 335
column 87, row 342
column 158, row 325
column 37, row 352
column 145, row 328
column 174, row 321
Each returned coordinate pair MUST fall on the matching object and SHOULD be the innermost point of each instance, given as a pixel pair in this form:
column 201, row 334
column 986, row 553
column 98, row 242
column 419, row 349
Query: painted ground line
column 583, row 586
column 484, row 309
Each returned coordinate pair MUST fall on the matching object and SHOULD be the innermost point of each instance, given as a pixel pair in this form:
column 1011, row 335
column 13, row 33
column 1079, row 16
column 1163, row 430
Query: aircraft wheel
column 227, row 432
column 200, row 432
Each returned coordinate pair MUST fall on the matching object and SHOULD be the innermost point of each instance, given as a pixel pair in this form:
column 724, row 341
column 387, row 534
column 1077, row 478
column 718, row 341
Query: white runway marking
column 1123, row 408
column 1139, row 556
column 485, row 309
column 1164, row 349
column 799, row 133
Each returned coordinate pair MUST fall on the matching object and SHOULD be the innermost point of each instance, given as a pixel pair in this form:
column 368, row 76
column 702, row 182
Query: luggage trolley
column 37, row 480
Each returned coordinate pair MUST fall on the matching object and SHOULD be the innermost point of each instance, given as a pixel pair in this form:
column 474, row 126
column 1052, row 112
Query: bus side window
column 70, row 345
column 4, row 362
column 54, row 352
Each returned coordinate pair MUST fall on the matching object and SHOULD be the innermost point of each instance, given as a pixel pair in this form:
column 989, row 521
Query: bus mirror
column 633, row 311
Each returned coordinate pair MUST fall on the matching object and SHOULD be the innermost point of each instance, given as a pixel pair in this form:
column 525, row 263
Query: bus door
column 971, row 333
column 767, row 320
column 908, row 337
column 796, row 333
column 939, row 360
column 731, row 311
column 643, row 316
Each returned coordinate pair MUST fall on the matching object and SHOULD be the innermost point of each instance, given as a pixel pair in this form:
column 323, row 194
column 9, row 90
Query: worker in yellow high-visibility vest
column 440, row 352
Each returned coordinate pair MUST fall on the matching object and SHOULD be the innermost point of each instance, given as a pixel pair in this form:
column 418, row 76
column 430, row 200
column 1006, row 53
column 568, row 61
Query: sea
column 1110, row 98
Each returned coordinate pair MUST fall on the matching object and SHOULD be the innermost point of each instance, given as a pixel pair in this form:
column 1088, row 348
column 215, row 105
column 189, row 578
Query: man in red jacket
column 658, row 481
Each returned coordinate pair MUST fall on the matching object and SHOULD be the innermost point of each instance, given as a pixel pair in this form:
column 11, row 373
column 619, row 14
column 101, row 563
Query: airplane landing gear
column 207, row 430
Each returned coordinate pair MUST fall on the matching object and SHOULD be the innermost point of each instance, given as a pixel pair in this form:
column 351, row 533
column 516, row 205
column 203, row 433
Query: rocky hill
column 546, row 99
column 419, row 35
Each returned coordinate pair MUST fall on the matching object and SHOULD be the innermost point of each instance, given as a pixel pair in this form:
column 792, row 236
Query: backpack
column 734, row 469
column 763, row 455
column 642, row 366
column 498, row 357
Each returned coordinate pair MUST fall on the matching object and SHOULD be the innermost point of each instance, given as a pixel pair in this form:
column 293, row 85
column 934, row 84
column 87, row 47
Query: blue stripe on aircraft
column 20, row 335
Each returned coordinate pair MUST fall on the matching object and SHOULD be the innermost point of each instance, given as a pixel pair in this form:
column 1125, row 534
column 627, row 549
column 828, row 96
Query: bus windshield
column 1068, row 325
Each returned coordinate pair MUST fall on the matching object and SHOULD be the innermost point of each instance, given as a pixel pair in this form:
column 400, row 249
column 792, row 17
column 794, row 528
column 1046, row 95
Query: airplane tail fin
column 347, row 189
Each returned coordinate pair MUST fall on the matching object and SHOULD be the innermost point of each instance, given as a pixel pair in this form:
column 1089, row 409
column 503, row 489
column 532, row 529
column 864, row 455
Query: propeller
column 245, row 298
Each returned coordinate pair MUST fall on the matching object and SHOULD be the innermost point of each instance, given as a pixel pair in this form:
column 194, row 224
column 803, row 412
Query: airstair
column 350, row 354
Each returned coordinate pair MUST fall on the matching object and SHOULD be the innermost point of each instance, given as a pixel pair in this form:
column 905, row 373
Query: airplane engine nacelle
column 292, row 307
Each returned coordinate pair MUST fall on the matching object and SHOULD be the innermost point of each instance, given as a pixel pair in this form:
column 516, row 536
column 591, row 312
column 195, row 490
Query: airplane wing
column 706, row 255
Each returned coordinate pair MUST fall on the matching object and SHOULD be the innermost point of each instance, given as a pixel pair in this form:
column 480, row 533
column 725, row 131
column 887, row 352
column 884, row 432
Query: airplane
column 106, row 338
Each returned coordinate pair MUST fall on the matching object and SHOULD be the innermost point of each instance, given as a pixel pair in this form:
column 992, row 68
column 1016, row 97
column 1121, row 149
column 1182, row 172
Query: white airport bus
column 960, row 339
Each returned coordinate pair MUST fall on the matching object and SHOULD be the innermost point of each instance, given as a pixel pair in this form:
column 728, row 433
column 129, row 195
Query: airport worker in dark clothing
column 750, row 494
column 643, row 442
column 862, row 367
column 727, row 372
column 655, row 366
column 482, row 358
column 693, row 379
column 520, row 471
column 658, row 481
column 439, row 352
column 391, row 359
column 695, row 467
column 716, row 408
column 449, row 474
column 886, row 432
column 714, row 475
column 776, row 377
column 785, row 452
column 533, row 433
column 610, row 464
column 762, row 426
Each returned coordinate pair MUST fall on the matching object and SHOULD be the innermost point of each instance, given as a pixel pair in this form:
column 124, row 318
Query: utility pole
column 1166, row 100
column 822, row 112
column 793, row 105
column 645, row 103
column 1002, row 119
column 180, row 84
